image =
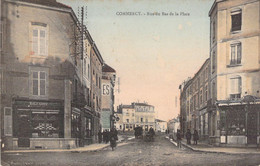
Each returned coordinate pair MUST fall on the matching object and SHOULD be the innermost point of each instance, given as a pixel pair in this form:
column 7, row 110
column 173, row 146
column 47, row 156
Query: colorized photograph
column 130, row 82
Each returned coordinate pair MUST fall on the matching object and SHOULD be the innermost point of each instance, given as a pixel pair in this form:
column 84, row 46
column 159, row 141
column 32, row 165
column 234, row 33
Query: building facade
column 136, row 114
column 160, row 125
column 108, row 98
column 51, row 73
column 230, row 113
column 235, row 71
column 36, row 92
column 194, row 98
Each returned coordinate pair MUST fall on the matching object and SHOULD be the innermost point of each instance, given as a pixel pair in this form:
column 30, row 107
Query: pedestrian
column 99, row 136
column 106, row 135
column 113, row 138
column 188, row 136
column 195, row 137
column 178, row 138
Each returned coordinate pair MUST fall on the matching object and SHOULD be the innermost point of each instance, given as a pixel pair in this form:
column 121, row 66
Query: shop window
column 75, row 125
column 88, row 129
column 236, row 18
column 236, row 54
column 222, row 125
column 39, row 39
column 46, row 124
column 236, row 119
column 235, row 88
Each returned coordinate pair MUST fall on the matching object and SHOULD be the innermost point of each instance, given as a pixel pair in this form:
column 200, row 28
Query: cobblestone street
column 136, row 152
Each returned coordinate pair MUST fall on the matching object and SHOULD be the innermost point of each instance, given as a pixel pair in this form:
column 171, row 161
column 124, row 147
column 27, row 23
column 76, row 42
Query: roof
column 107, row 68
column 51, row 3
column 141, row 104
column 158, row 120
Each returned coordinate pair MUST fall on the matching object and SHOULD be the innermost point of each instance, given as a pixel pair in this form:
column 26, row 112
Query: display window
column 46, row 124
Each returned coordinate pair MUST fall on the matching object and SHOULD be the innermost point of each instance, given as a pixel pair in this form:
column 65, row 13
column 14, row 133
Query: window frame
column 39, row 82
column 235, row 54
column 233, row 95
column 39, row 27
column 236, row 12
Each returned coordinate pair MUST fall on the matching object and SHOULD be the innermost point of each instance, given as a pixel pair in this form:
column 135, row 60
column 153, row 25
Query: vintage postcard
column 130, row 82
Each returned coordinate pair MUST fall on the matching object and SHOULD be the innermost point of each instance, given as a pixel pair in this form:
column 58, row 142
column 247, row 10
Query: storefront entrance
column 24, row 129
column 252, row 127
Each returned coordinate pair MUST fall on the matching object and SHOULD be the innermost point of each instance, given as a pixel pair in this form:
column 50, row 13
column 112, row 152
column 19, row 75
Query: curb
column 205, row 151
column 63, row 150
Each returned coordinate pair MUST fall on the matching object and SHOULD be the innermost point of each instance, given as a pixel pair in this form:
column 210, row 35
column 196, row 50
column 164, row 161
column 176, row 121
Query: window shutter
column 42, row 42
column 35, row 41
column 239, row 54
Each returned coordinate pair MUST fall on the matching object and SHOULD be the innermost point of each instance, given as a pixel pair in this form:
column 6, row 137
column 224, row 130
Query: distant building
column 127, row 120
column 136, row 114
column 173, row 125
column 160, row 125
column 108, row 98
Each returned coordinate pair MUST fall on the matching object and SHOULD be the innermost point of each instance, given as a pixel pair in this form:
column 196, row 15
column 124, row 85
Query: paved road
column 138, row 152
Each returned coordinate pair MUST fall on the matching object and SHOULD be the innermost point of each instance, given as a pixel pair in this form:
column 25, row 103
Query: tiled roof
column 51, row 3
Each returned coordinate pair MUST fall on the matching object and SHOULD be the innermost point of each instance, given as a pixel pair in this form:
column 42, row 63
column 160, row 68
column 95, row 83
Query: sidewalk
column 203, row 147
column 89, row 148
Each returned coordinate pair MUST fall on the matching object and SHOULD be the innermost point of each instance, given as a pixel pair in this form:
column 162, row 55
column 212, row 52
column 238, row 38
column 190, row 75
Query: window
column 8, row 127
column 206, row 93
column 141, row 119
column 84, row 67
column 127, row 120
column 213, row 30
column 213, row 61
column 235, row 57
column 235, row 88
column 236, row 18
column 88, row 71
column 200, row 96
column 46, row 124
column 39, row 83
column 39, row 39
column 1, row 35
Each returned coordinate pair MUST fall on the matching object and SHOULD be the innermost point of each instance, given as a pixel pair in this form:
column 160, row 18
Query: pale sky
column 152, row 55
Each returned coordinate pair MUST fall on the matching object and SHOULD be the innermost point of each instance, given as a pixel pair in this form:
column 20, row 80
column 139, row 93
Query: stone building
column 96, row 63
column 160, row 125
column 108, row 98
column 136, row 114
column 235, row 71
column 194, row 99
column 37, row 73
column 126, row 114
column 51, row 73
column 231, row 115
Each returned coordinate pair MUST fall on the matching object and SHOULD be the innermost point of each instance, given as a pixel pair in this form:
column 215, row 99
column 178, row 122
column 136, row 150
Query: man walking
column 188, row 136
column 179, row 138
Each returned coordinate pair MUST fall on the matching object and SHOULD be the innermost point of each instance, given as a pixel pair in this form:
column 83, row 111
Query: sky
column 152, row 54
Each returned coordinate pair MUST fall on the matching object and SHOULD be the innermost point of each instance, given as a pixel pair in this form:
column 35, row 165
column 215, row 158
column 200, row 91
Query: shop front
column 39, row 124
column 239, row 124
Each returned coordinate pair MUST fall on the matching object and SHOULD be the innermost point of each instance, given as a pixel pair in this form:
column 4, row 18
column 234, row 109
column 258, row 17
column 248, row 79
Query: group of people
column 108, row 136
column 188, row 137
